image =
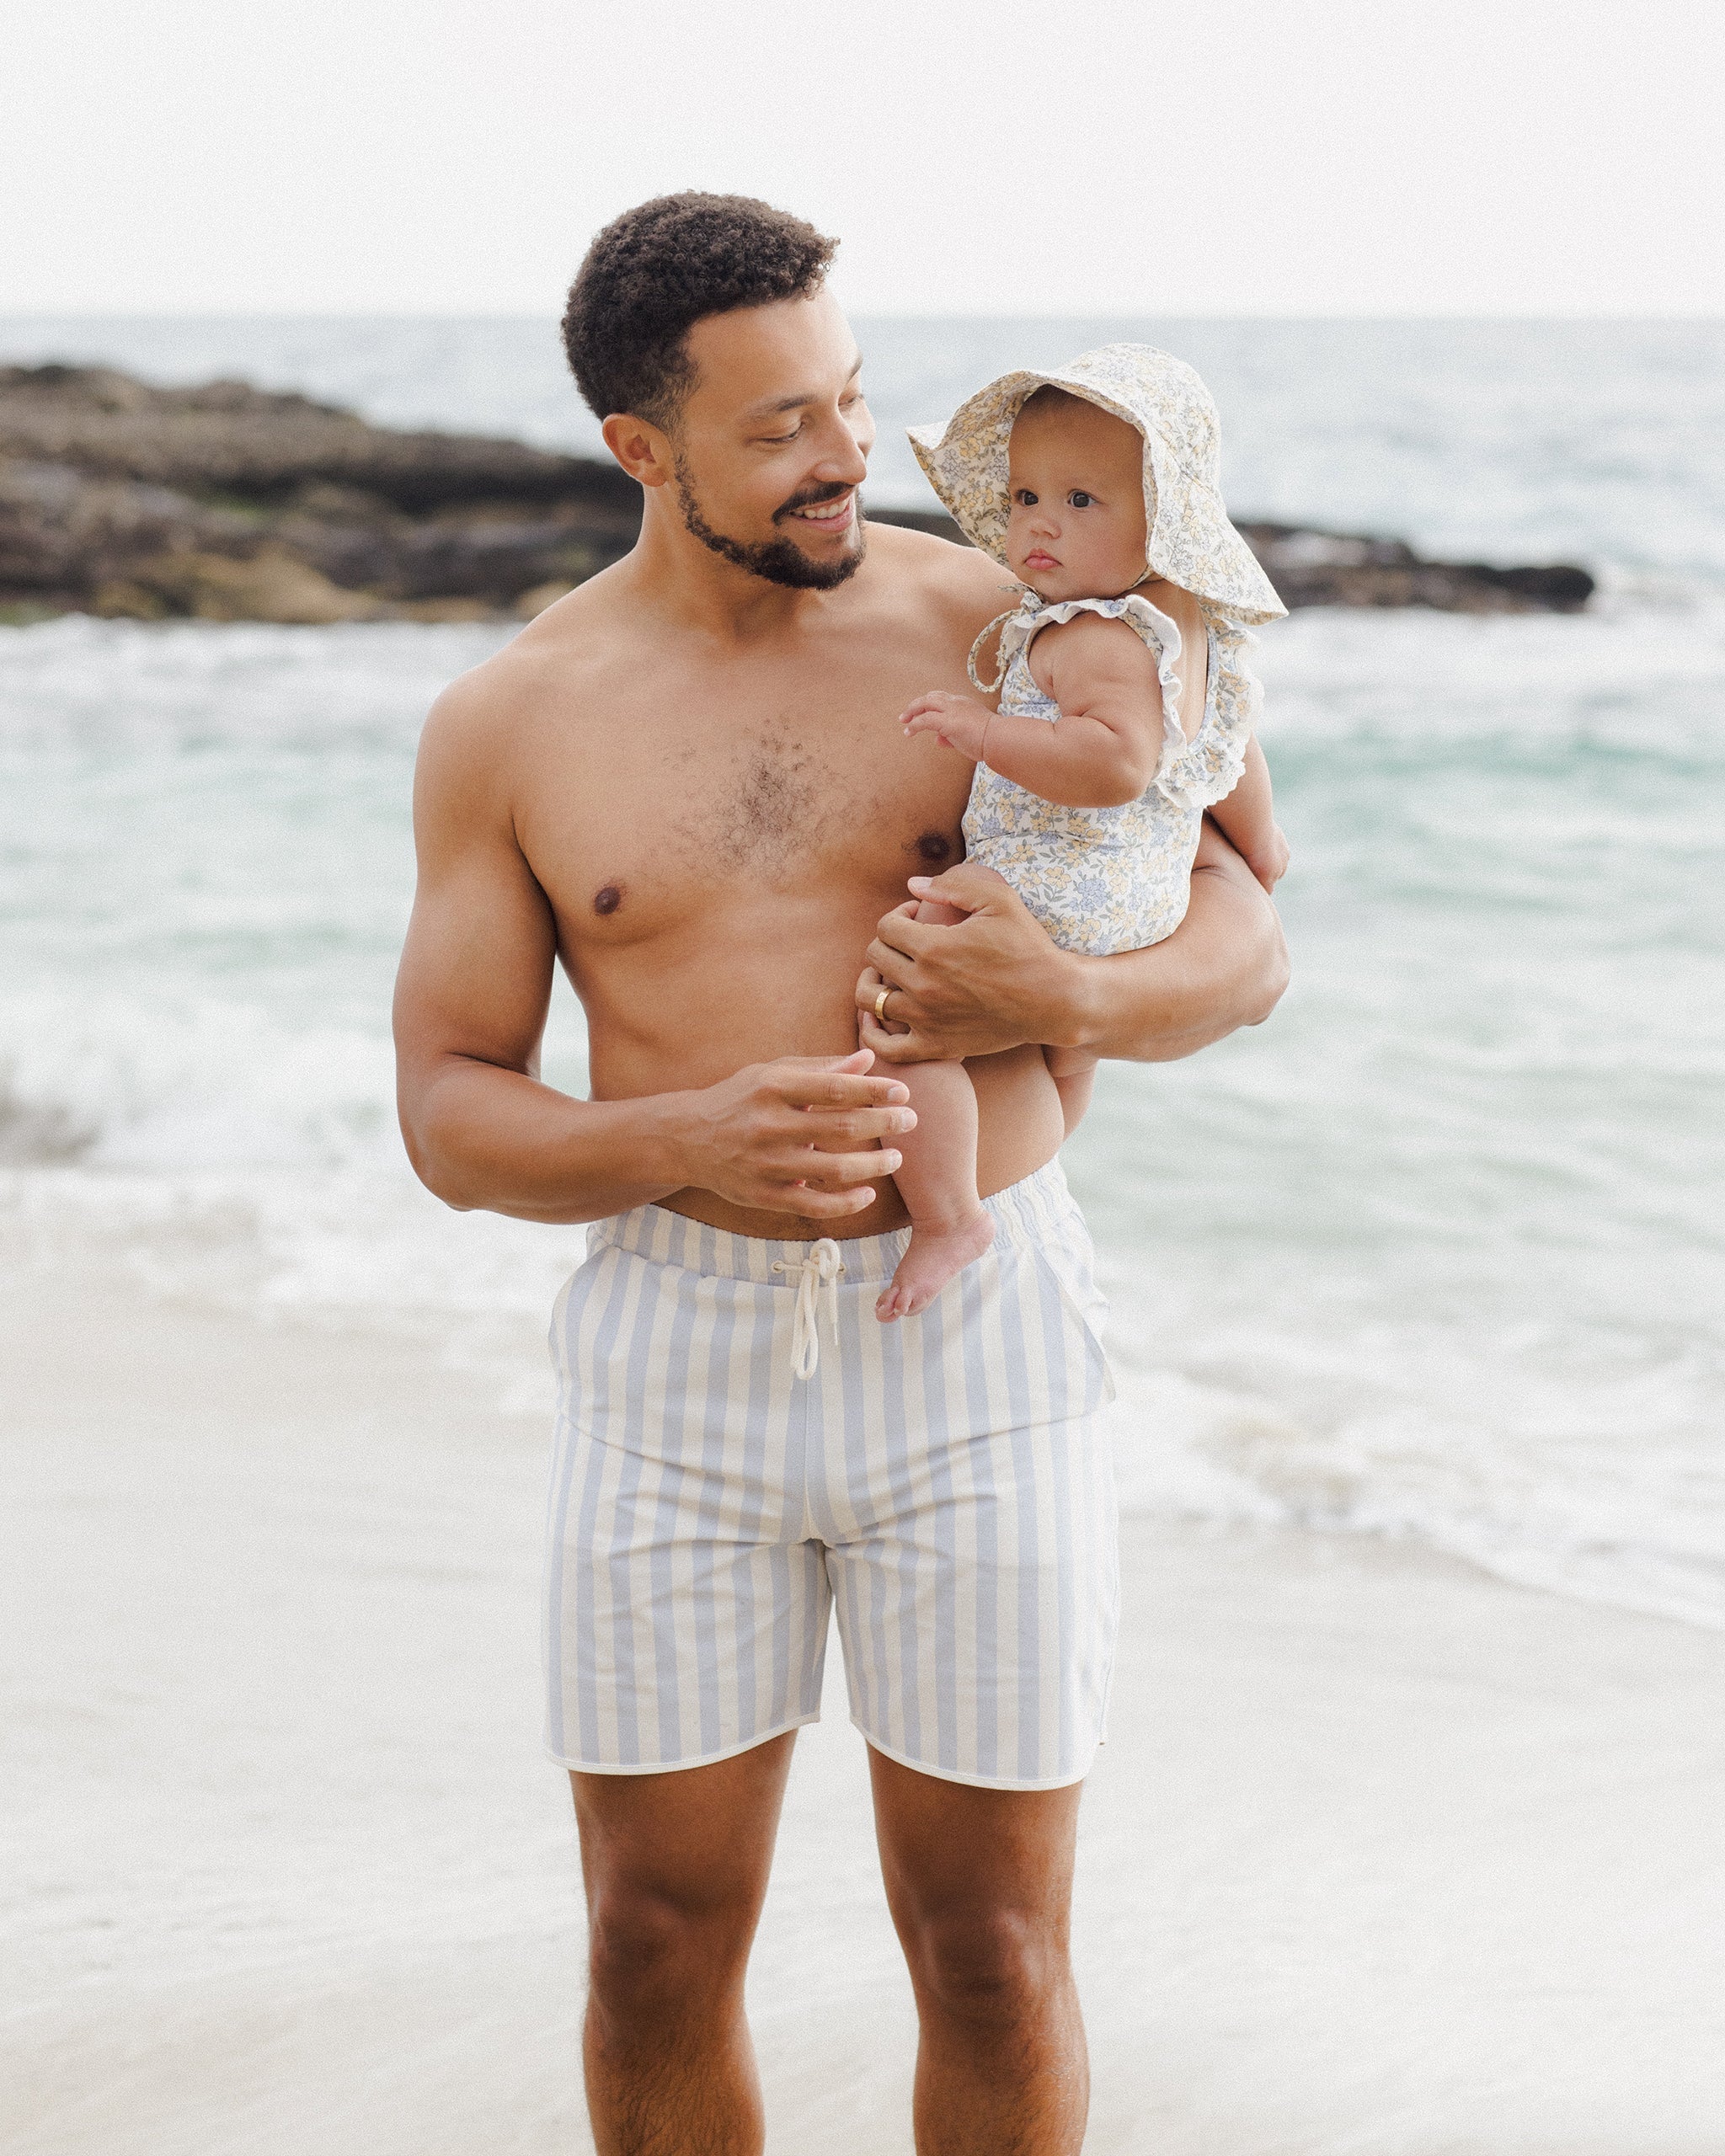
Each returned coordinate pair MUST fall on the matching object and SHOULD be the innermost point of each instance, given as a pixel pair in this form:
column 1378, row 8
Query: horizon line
column 85, row 313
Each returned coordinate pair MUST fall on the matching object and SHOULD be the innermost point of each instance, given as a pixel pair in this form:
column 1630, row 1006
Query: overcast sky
column 1290, row 157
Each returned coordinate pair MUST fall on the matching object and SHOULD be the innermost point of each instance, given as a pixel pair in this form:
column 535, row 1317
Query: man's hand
column 991, row 982
column 798, row 1135
column 958, row 723
column 1269, row 862
column 996, row 980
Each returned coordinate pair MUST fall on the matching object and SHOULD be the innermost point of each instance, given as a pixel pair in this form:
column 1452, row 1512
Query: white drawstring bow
column 822, row 1268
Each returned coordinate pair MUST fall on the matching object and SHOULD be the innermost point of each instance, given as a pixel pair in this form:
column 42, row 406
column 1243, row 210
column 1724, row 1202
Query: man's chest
column 685, row 794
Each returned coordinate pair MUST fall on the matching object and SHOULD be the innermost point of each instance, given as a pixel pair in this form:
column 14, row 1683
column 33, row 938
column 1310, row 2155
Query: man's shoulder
column 556, row 652
column 921, row 568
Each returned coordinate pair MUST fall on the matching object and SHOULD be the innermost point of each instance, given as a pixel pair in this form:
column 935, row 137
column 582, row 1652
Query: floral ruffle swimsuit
column 1113, row 879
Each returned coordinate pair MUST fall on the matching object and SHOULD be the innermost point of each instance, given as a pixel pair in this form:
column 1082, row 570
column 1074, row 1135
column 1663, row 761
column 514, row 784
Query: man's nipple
column 934, row 845
column 607, row 898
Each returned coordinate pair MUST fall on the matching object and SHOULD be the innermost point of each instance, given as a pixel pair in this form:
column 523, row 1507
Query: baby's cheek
column 1121, row 555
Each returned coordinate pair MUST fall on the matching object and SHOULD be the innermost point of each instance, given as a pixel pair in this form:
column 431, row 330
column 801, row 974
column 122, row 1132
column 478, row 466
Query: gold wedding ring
column 880, row 1007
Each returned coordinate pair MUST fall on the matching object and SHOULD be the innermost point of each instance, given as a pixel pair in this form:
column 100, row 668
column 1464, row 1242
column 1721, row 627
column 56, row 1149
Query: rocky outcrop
column 1311, row 568
column 228, row 439
column 228, row 503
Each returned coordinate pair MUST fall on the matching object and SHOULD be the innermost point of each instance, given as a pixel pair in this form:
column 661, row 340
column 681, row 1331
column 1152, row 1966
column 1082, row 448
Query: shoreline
column 1382, row 1853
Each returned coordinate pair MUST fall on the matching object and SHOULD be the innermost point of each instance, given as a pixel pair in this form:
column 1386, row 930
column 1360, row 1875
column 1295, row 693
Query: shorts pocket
column 669, row 1365
column 1084, row 1309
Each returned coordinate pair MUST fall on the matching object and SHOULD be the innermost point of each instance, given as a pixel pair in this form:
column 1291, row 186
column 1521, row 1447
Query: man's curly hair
column 660, row 268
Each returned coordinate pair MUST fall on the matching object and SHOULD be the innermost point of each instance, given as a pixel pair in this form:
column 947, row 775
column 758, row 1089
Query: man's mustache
column 808, row 499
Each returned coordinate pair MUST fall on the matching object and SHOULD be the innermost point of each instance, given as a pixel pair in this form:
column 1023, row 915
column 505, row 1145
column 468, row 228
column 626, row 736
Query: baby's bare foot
column 936, row 1256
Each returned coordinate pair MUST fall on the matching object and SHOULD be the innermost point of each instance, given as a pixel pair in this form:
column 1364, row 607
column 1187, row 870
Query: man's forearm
column 485, row 1138
column 800, row 1135
column 1224, row 967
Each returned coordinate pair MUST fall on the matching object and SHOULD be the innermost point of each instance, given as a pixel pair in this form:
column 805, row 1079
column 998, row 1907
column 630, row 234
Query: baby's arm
column 1103, row 749
column 1246, row 819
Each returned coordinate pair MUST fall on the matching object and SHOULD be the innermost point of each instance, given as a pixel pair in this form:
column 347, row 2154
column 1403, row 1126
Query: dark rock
column 227, row 437
column 231, row 503
column 1311, row 568
column 116, row 496
column 1557, row 587
column 271, row 585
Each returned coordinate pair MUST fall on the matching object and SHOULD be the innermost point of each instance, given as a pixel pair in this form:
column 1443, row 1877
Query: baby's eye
column 1025, row 499
column 1079, row 499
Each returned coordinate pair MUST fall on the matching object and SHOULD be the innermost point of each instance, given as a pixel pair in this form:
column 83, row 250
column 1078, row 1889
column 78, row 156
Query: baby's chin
column 1054, row 585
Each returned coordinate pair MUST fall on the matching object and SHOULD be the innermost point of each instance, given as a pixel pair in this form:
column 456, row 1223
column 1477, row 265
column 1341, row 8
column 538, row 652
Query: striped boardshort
column 945, row 1481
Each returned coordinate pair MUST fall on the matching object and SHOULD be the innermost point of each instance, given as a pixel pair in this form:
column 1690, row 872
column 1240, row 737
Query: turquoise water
column 1435, row 1252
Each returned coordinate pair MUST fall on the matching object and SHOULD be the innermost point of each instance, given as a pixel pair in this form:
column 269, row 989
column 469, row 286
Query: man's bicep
column 475, row 977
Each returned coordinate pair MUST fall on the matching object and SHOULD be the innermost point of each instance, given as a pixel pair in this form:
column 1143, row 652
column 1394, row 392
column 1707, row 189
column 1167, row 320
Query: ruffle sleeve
column 1207, row 768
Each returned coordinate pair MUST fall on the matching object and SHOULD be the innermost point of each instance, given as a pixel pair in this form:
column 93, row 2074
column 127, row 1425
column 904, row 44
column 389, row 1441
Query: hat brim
column 1191, row 541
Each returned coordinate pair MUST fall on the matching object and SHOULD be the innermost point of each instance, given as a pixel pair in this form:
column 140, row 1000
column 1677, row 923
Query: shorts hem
column 957, row 1774
column 679, row 1766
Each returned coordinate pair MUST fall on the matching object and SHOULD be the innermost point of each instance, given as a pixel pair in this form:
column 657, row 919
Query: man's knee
column 988, row 1964
column 650, row 1956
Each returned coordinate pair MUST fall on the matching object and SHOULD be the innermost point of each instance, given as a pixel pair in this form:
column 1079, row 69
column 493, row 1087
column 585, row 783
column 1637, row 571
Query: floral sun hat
column 1191, row 543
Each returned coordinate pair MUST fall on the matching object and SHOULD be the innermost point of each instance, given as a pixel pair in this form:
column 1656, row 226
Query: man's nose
column 844, row 460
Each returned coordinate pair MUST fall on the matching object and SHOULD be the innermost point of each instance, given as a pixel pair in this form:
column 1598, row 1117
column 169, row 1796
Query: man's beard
column 779, row 561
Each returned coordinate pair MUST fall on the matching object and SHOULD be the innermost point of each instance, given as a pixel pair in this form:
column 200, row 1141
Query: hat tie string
column 1028, row 604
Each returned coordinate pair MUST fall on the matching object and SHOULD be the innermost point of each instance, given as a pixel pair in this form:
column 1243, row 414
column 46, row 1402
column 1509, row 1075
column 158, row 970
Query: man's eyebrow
column 765, row 411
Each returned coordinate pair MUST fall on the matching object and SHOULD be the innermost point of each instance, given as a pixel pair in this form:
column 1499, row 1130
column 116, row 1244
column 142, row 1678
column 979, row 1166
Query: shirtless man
column 688, row 782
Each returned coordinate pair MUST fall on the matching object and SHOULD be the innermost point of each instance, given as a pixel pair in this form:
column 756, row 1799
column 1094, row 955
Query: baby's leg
column 1073, row 1070
column 936, row 1177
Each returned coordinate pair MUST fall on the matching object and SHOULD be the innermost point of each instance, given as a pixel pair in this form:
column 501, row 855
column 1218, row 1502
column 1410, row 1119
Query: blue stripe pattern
column 944, row 1483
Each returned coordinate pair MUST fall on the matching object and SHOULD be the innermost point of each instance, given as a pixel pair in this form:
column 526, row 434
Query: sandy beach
column 1382, row 1855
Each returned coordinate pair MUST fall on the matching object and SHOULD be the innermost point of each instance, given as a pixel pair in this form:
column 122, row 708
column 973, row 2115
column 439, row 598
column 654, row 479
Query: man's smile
column 837, row 512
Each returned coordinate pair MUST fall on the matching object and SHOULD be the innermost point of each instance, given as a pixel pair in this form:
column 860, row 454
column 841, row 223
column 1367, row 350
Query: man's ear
column 643, row 451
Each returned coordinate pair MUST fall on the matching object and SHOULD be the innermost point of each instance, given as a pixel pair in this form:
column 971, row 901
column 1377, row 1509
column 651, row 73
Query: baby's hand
column 960, row 722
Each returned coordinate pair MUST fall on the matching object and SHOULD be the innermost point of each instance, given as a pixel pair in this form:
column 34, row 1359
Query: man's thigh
column 963, row 1866
column 692, row 1844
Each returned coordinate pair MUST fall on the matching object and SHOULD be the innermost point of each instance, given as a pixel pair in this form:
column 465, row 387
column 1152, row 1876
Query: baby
column 1125, row 709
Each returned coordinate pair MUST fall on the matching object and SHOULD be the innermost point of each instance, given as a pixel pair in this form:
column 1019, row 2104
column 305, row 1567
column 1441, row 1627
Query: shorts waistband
column 1029, row 1209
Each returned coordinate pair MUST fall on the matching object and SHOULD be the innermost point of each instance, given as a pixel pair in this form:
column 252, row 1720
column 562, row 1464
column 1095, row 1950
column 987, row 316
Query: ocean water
column 1436, row 1253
